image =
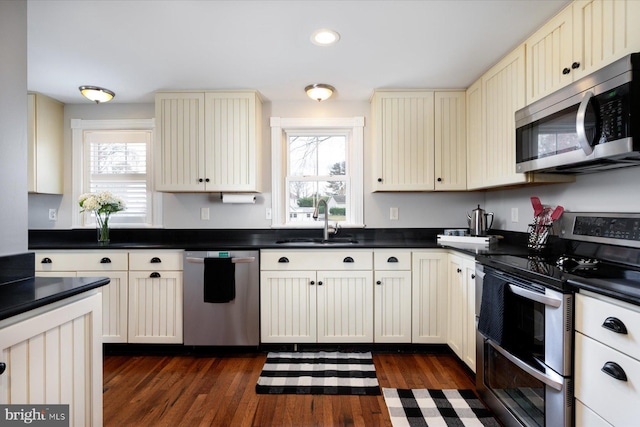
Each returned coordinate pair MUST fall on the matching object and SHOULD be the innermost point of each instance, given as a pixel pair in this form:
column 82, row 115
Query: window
column 314, row 160
column 110, row 157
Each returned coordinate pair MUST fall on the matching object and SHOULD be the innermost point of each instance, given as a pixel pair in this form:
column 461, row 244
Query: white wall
column 13, row 127
column 612, row 191
column 183, row 210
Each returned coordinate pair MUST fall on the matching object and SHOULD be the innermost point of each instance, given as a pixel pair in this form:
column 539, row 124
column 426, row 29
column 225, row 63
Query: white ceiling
column 136, row 47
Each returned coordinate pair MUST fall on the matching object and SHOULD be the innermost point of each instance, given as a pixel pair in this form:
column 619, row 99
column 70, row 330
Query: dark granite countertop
column 20, row 291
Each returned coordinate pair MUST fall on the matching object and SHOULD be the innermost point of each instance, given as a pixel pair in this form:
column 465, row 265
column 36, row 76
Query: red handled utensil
column 537, row 206
column 557, row 213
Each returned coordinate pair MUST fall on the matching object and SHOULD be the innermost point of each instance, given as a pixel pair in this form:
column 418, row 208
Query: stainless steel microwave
column 591, row 125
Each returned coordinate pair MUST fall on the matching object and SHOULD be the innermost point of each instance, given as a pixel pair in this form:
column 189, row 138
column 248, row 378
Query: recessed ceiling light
column 325, row 37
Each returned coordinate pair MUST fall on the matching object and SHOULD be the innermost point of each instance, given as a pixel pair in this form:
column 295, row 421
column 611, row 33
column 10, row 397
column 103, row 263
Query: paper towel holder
column 237, row 198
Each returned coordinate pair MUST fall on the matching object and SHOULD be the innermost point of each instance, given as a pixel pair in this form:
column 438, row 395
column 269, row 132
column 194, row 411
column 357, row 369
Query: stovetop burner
column 570, row 263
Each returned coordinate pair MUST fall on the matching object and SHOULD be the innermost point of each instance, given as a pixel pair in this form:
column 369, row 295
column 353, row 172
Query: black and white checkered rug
column 318, row 373
column 425, row 407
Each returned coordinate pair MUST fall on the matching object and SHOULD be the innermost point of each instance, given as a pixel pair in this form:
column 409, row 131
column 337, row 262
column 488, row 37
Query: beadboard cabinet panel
column 55, row 357
column 450, row 142
column 429, row 297
column 179, row 152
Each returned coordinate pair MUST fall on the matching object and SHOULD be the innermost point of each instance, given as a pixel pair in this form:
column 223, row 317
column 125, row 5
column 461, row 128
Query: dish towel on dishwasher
column 219, row 280
column 492, row 308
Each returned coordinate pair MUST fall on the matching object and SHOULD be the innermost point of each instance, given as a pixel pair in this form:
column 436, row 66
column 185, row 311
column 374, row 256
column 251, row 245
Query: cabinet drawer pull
column 105, row 260
column 46, row 260
column 155, row 260
column 615, row 325
column 348, row 259
column 154, row 275
column 3, row 367
column 392, row 259
column 312, row 283
column 378, row 282
column 614, row 370
column 319, row 283
column 283, row 259
column 566, row 71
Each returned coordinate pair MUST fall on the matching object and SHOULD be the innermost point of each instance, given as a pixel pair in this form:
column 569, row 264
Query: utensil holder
column 538, row 235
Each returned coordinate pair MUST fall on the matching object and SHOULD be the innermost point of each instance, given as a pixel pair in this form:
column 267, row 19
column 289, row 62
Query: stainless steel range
column 525, row 305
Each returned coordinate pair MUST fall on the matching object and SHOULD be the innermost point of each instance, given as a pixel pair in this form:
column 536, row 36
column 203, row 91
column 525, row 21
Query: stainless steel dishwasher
column 231, row 323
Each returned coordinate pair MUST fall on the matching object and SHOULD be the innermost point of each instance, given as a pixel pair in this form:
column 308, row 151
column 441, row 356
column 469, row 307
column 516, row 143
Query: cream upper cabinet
column 208, row 141
column 45, row 130
column 503, row 90
column 450, row 141
column 475, row 129
column 419, row 140
column 585, row 36
column 403, row 135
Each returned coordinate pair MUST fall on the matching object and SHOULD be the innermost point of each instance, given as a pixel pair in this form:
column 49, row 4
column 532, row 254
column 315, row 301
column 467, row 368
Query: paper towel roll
column 238, row 198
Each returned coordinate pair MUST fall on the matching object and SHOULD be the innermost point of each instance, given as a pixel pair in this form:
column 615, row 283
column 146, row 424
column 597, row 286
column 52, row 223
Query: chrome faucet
column 325, row 231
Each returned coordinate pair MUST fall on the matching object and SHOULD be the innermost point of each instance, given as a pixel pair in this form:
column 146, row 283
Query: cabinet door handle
column 575, row 65
column 348, row 259
column 200, row 180
column 566, row 71
column 46, row 260
column 154, row 275
column 155, row 260
column 459, row 270
column 3, row 367
column 379, row 179
column 614, row 370
column 207, row 180
column 312, row 283
column 319, row 283
column 283, row 259
column 392, row 259
column 379, row 282
column 439, row 179
column 473, row 276
column 105, row 260
column 615, row 325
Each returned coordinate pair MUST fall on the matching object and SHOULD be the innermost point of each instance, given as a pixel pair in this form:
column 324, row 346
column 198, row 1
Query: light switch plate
column 514, row 214
column 393, row 214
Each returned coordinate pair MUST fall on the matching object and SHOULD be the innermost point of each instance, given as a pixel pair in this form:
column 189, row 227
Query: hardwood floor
column 220, row 391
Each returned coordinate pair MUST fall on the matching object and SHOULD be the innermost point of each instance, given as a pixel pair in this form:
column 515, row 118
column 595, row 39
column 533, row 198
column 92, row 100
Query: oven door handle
column 553, row 381
column 534, row 296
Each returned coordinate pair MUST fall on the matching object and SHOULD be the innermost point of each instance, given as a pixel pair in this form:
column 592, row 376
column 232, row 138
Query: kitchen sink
column 307, row 241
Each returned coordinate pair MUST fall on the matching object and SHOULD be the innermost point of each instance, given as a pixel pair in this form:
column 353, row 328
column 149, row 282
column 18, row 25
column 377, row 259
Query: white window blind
column 116, row 161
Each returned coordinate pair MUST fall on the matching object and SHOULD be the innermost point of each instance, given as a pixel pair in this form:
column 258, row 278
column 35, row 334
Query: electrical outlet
column 393, row 214
column 514, row 214
column 53, row 214
column 204, row 214
column 268, row 213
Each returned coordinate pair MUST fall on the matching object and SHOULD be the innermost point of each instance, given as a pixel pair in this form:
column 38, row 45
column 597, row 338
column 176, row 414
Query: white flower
column 102, row 203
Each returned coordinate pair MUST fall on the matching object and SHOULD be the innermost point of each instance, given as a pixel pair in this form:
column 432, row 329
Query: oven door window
column 524, row 330
column 518, row 391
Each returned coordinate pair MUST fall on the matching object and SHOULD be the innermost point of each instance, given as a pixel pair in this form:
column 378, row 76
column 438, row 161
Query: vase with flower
column 102, row 204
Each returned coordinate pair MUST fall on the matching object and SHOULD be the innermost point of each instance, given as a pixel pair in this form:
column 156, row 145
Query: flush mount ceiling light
column 319, row 91
column 325, row 37
column 96, row 94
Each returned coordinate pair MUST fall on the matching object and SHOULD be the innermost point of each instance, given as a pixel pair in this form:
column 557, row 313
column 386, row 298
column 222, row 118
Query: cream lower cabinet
column 53, row 355
column 155, row 297
column 607, row 361
column 392, row 296
column 311, row 296
column 461, row 335
column 429, row 296
column 113, row 264
column 153, row 304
